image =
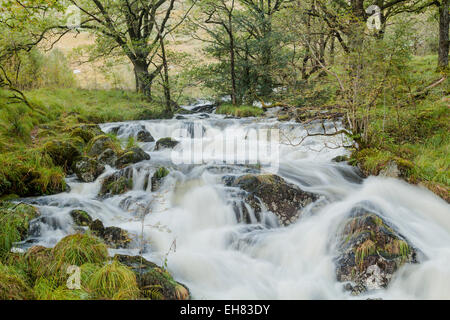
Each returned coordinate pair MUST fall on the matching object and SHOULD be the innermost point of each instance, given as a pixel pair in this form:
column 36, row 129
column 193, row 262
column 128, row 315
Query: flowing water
column 193, row 227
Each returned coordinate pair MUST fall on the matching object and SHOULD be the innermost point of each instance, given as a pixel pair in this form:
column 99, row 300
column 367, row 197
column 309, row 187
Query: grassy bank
column 26, row 168
column 240, row 111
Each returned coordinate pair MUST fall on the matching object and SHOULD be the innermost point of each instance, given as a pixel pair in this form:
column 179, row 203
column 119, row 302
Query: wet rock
column 370, row 251
column 144, row 136
column 117, row 183
column 98, row 145
column 166, row 143
column 63, row 152
column 180, row 117
column 158, row 177
column 133, row 155
column 283, row 199
column 88, row 169
column 114, row 237
column 81, row 218
column 153, row 281
column 390, row 170
column 107, row 157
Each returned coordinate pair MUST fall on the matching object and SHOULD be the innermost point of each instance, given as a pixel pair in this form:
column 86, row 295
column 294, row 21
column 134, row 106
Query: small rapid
column 192, row 226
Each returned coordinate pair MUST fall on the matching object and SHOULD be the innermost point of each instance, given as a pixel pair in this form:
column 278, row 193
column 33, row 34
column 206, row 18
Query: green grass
column 416, row 136
column 240, row 111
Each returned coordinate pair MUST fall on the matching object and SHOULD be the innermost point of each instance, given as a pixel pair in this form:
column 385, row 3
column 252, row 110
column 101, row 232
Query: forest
column 94, row 205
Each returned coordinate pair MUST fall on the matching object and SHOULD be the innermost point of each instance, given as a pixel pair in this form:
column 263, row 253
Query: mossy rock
column 166, row 143
column 158, row 177
column 63, row 152
column 144, row 136
column 15, row 223
column 370, row 251
column 108, row 157
column 88, row 169
column 283, row 199
column 79, row 249
column 85, row 131
column 153, row 281
column 99, row 144
column 114, row 237
column 81, row 218
column 117, row 183
column 131, row 156
column 13, row 285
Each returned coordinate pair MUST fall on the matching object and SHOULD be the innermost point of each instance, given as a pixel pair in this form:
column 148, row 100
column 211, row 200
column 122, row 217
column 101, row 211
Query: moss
column 114, row 281
column 161, row 173
column 48, row 289
column 119, row 186
column 14, row 224
column 13, row 285
column 158, row 280
column 63, row 152
column 366, row 249
column 79, row 249
column 240, row 111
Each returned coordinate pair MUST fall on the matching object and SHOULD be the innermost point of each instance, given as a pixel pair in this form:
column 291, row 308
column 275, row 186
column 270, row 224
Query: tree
column 134, row 28
column 443, row 34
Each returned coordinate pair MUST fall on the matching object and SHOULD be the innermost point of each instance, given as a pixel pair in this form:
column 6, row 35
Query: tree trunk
column 143, row 79
column 443, row 35
column 166, row 83
column 232, row 62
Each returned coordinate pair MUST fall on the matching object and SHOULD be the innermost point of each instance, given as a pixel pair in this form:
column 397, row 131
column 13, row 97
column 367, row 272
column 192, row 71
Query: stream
column 193, row 227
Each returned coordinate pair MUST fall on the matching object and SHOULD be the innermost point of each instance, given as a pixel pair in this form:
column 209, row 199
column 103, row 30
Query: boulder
column 153, row 280
column 88, row 169
column 133, row 155
column 114, row 237
column 285, row 200
column 108, row 157
column 63, row 152
column 340, row 159
column 166, row 143
column 98, row 145
column 370, row 251
column 85, row 131
column 81, row 218
column 117, row 183
column 144, row 136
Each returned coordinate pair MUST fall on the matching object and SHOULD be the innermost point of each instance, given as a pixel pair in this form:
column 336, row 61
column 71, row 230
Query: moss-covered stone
column 117, row 183
column 370, row 251
column 85, row 131
column 81, row 218
column 114, row 237
column 166, row 143
column 63, row 152
column 88, row 169
column 99, row 144
column 283, row 199
column 153, row 281
column 157, row 178
column 132, row 155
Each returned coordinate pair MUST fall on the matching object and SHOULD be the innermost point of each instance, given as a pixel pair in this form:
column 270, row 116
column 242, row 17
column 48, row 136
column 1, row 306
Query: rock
column 390, row 170
column 180, row 117
column 117, row 183
column 98, row 145
column 81, row 218
column 144, row 136
column 283, row 199
column 85, row 131
column 340, row 159
column 133, row 155
column 157, row 178
column 153, row 280
column 107, row 157
column 63, row 152
column 166, row 143
column 370, row 251
column 88, row 169
column 114, row 237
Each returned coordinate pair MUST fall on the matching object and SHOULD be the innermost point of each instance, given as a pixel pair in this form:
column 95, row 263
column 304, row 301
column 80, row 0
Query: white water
column 219, row 258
